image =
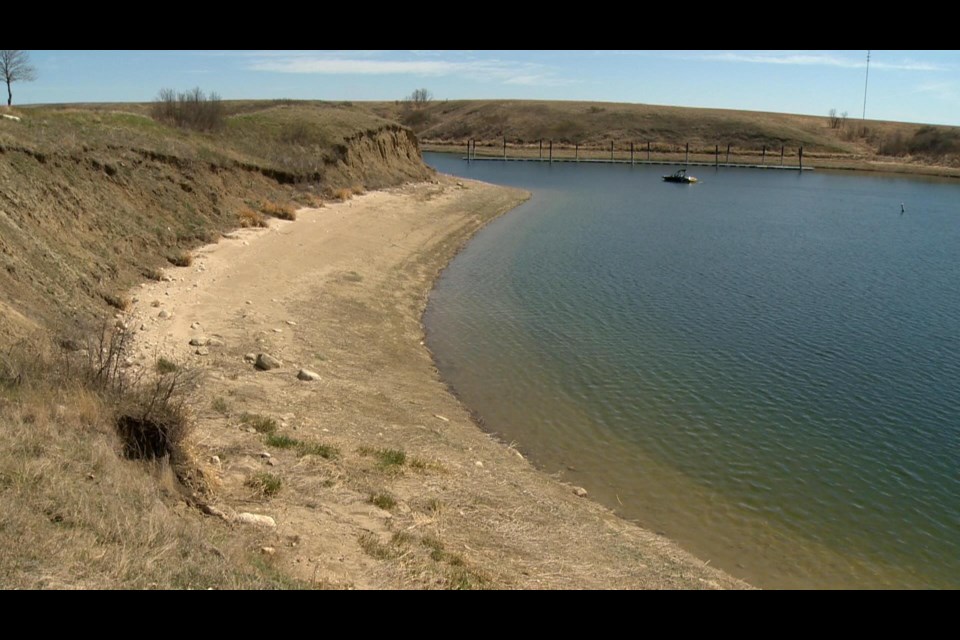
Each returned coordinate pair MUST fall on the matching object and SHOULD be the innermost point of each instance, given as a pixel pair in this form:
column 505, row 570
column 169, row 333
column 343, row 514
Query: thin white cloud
column 507, row 72
column 942, row 90
column 815, row 59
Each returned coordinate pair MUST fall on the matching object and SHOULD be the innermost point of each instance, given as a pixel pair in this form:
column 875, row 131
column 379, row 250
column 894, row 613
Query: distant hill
column 596, row 124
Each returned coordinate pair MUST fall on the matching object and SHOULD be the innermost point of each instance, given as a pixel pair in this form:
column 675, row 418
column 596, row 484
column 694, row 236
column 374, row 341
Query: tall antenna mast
column 865, row 81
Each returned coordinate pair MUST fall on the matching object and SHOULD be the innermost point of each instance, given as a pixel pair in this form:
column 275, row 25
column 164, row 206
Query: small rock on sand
column 249, row 357
column 265, row 362
column 202, row 351
column 199, row 341
column 580, row 492
column 164, row 314
column 307, row 375
column 215, row 341
column 256, row 519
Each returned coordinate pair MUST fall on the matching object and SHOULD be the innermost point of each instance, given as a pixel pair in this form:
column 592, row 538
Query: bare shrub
column 182, row 259
column 282, row 211
column 249, row 218
column 191, row 109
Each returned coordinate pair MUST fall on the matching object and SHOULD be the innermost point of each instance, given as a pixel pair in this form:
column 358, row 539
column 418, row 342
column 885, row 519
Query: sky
column 909, row 86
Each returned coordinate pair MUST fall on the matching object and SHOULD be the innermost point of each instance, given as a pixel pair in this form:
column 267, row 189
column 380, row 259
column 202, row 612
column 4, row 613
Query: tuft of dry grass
column 342, row 194
column 358, row 189
column 282, row 211
column 248, row 218
column 153, row 274
column 118, row 301
column 181, row 259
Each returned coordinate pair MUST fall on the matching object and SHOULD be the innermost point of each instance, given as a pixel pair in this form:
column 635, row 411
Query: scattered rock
column 265, row 362
column 306, row 374
column 164, row 314
column 199, row 341
column 256, row 519
column 271, row 462
column 580, row 492
column 291, row 323
column 202, row 351
column 478, row 463
column 249, row 301
column 278, row 330
column 265, row 454
column 195, row 325
column 249, row 357
column 268, row 551
column 215, row 460
column 440, row 417
column 215, row 341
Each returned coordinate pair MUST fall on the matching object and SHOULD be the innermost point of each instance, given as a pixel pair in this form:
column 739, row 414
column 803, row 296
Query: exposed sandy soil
column 341, row 291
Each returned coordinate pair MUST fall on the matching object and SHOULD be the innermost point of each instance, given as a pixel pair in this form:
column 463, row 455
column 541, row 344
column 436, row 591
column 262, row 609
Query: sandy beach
column 412, row 493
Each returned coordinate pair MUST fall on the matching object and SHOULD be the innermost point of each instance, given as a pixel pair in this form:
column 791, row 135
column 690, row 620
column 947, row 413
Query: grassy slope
column 92, row 200
column 596, row 124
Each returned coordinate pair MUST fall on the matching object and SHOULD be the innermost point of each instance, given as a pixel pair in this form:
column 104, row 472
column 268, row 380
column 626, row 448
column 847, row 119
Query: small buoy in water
column 901, row 209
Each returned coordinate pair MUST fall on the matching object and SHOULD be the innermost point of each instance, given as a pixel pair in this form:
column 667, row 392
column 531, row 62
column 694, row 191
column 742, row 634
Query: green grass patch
column 317, row 449
column 281, row 441
column 261, row 424
column 220, row 406
column 165, row 366
column 266, row 484
column 383, row 501
column 303, row 448
column 376, row 549
column 386, row 458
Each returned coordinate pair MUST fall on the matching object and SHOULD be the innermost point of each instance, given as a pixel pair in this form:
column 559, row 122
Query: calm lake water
column 764, row 367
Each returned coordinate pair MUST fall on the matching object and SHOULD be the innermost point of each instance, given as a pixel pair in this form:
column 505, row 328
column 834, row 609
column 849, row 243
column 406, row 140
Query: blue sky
column 912, row 86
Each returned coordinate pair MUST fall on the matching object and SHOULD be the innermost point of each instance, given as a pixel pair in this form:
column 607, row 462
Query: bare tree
column 15, row 67
column 834, row 120
column 420, row 97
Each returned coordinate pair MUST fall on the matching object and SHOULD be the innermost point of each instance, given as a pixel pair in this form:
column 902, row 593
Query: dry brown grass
column 358, row 189
column 119, row 301
column 248, row 218
column 77, row 513
column 181, row 259
column 343, row 194
column 282, row 211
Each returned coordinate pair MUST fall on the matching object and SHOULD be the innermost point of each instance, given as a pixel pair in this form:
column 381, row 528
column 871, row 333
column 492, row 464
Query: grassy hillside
column 596, row 124
column 94, row 199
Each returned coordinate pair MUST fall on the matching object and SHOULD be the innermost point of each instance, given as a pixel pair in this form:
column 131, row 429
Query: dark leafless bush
column 191, row 109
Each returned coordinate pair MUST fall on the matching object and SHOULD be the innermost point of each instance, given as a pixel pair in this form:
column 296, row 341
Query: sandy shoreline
column 341, row 292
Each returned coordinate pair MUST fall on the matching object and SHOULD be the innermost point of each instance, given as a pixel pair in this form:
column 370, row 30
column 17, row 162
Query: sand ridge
column 341, row 291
